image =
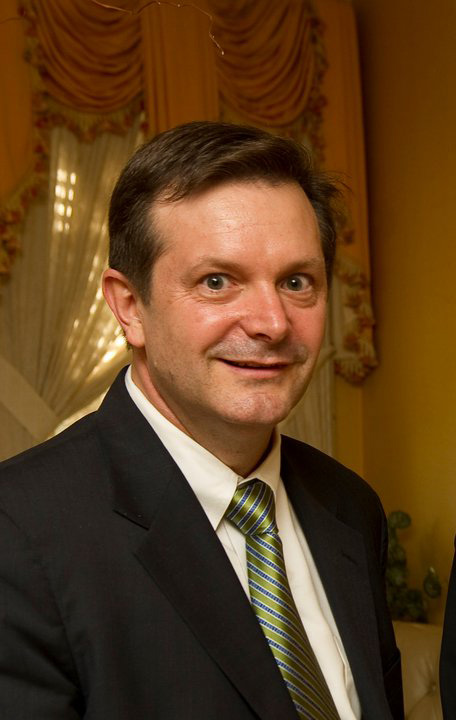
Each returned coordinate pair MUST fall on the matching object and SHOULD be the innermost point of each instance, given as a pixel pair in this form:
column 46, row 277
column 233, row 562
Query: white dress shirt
column 214, row 485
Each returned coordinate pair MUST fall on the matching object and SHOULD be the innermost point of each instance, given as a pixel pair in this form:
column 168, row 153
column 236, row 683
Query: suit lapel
column 184, row 557
column 339, row 554
column 194, row 573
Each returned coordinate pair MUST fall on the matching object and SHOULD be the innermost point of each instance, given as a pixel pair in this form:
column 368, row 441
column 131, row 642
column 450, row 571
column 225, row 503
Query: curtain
column 267, row 69
column 352, row 318
column 81, row 67
column 312, row 419
column 180, row 81
column 59, row 344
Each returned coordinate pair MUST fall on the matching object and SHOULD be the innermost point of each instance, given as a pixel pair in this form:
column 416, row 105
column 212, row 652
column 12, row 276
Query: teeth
column 252, row 365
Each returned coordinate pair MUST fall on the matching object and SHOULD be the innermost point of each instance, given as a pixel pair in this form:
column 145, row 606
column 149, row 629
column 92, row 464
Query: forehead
column 235, row 213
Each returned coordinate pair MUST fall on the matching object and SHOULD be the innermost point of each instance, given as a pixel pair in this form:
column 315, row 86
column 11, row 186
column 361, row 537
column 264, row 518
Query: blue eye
column 296, row 283
column 215, row 282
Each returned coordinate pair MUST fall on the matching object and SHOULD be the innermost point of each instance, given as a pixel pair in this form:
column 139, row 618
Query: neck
column 239, row 447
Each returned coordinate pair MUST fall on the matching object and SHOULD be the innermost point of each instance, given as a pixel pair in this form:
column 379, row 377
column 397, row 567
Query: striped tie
column 252, row 511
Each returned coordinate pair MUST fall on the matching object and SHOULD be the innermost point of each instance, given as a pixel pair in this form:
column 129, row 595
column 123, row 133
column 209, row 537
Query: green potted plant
column 406, row 603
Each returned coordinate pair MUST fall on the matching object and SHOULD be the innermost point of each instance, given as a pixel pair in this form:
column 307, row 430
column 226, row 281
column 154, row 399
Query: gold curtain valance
column 267, row 69
column 89, row 58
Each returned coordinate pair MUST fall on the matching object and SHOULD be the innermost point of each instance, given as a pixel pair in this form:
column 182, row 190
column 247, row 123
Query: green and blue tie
column 252, row 510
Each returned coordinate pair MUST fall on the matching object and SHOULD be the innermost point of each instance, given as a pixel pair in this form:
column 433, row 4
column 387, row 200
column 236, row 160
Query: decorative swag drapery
column 286, row 65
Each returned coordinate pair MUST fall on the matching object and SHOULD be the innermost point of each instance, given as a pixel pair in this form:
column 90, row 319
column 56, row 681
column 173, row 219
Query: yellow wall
column 408, row 60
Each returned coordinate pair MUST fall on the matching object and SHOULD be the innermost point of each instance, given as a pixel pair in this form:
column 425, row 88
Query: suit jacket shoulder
column 338, row 489
column 345, row 527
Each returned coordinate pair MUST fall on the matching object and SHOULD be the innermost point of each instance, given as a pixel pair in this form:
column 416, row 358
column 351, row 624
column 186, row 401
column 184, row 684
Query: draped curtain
column 79, row 74
column 59, row 342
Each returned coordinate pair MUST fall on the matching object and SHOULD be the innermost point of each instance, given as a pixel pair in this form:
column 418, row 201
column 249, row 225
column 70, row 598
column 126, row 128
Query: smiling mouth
column 255, row 365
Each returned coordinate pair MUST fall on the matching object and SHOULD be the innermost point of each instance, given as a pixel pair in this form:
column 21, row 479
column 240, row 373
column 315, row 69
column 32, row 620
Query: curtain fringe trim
column 356, row 359
column 47, row 115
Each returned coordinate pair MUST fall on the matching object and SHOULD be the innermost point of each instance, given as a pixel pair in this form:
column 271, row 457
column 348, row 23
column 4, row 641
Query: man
column 170, row 556
column 448, row 652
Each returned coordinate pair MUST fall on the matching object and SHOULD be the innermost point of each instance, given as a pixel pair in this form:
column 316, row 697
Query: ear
column 124, row 302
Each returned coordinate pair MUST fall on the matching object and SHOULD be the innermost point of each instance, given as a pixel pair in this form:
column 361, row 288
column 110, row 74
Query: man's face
column 237, row 307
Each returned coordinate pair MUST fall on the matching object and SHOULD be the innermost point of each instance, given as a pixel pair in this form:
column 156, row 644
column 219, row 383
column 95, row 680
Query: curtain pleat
column 90, row 57
column 180, row 80
column 56, row 331
column 344, row 155
column 267, row 67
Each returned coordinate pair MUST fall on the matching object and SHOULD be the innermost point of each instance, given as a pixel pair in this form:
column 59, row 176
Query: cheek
column 310, row 328
column 185, row 330
column 204, row 324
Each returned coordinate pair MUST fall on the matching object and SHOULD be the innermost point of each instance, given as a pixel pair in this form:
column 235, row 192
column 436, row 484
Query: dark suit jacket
column 448, row 652
column 117, row 600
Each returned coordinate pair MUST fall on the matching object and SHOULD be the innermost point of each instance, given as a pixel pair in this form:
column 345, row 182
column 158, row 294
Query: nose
column 264, row 315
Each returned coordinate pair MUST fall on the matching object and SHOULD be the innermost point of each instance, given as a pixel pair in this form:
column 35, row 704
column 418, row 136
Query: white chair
column 420, row 649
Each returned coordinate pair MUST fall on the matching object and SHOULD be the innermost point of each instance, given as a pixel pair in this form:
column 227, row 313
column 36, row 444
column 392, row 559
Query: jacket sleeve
column 448, row 652
column 392, row 670
column 384, row 541
column 37, row 675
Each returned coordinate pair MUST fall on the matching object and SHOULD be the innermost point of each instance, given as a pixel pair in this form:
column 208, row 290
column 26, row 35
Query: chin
column 264, row 414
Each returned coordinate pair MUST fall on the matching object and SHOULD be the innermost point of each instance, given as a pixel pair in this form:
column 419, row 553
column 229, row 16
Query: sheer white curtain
column 312, row 420
column 59, row 345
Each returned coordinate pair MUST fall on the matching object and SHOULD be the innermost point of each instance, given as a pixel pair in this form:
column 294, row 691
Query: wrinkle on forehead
column 235, row 208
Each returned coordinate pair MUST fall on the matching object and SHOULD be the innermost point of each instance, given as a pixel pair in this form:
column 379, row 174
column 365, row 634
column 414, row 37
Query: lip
column 254, row 368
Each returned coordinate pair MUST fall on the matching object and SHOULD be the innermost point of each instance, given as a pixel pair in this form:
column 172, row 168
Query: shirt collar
column 213, row 482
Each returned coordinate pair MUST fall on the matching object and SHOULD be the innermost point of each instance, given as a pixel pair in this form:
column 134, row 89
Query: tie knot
column 252, row 509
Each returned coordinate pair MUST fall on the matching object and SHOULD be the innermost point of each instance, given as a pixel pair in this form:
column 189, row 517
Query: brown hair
column 191, row 158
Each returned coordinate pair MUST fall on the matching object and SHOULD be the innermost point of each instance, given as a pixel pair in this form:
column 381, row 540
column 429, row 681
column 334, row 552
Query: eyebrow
column 312, row 263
